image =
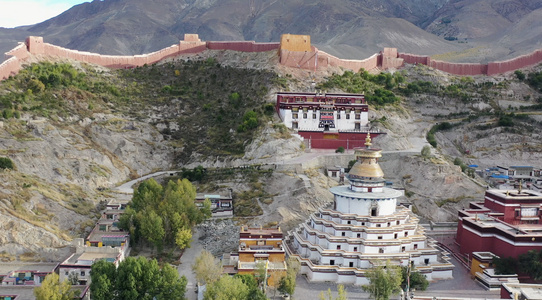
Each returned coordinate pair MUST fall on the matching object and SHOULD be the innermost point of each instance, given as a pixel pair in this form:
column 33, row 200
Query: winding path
column 126, row 188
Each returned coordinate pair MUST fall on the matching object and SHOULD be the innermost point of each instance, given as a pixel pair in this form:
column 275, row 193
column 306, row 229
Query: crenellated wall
column 243, row 46
column 492, row 68
column 296, row 52
column 191, row 44
column 12, row 65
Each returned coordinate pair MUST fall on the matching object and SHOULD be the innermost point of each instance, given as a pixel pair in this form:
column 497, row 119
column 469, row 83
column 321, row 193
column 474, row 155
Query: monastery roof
column 344, row 190
column 261, row 231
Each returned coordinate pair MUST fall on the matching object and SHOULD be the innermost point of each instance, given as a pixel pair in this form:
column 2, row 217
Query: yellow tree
column 52, row 289
column 207, row 268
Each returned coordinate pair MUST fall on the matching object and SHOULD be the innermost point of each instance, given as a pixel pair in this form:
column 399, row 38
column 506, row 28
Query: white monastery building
column 323, row 112
column 364, row 228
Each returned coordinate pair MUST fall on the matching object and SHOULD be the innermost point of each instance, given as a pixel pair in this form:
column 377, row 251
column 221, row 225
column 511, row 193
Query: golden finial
column 368, row 140
column 520, row 186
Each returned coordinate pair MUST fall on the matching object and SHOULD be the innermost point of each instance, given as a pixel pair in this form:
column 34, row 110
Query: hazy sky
column 26, row 12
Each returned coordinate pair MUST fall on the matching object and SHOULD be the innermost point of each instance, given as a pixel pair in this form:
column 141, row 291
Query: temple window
column 380, row 250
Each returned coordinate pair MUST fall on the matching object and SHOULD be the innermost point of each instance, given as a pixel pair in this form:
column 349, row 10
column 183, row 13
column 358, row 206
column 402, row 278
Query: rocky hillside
column 74, row 131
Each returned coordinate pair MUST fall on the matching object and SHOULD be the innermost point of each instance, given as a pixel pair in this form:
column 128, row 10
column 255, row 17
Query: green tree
column 531, row 263
column 418, row 281
column 227, row 288
column 52, row 289
column 151, row 227
column 254, row 291
column 384, row 281
column 287, row 283
column 183, row 238
column 206, row 210
column 102, row 278
column 505, row 265
column 157, row 214
column 342, row 294
column 170, row 285
column 207, row 268
column 136, row 278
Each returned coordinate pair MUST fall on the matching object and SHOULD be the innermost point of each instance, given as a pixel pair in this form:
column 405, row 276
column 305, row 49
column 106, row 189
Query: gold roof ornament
column 367, row 165
column 368, row 140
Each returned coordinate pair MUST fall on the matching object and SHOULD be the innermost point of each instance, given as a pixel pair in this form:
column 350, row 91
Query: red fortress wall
column 492, row 68
column 295, row 51
column 190, row 45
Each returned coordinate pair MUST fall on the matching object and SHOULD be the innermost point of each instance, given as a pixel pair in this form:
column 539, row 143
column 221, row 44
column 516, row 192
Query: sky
column 15, row 13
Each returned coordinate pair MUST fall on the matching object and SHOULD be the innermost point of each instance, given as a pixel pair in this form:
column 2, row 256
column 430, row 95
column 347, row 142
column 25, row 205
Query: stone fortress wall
column 295, row 51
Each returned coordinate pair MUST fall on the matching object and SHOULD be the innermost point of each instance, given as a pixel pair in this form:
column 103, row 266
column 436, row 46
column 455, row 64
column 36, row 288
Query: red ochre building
column 326, row 121
column 507, row 224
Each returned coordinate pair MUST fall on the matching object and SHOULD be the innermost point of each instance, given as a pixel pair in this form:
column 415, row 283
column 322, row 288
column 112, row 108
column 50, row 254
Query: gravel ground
column 219, row 236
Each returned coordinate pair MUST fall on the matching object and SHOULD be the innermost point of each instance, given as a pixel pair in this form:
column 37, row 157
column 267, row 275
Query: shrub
column 426, row 151
column 340, row 150
column 6, row 163
column 520, row 75
column 7, row 113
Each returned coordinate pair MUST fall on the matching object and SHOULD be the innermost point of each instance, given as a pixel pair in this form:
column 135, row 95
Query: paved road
column 126, row 188
column 460, row 286
column 185, row 267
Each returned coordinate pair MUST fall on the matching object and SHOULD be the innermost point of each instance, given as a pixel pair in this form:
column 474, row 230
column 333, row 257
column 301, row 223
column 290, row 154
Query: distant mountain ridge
column 498, row 29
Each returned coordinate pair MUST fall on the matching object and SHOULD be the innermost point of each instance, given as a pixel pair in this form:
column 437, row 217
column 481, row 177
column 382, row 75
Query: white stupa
column 364, row 227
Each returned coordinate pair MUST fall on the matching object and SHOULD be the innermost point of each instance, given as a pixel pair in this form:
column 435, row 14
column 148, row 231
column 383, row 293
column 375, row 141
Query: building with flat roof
column 20, row 292
column 507, row 223
column 521, row 291
column 25, row 273
column 262, row 246
column 326, row 121
column 221, row 206
column 365, row 226
column 78, row 264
